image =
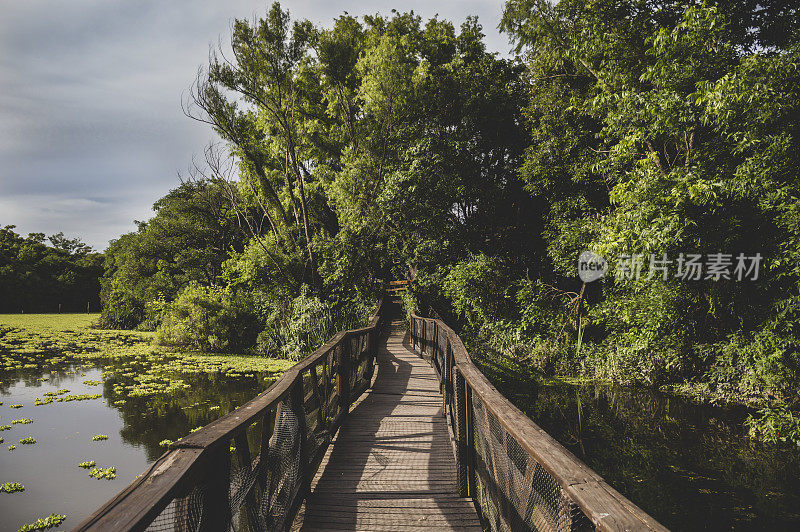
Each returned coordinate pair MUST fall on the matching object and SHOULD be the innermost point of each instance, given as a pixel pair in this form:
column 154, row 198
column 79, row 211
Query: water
column 63, row 432
column 690, row 466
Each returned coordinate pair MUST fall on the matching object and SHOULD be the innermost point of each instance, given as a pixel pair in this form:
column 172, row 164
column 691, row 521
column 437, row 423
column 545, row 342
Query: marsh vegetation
column 109, row 395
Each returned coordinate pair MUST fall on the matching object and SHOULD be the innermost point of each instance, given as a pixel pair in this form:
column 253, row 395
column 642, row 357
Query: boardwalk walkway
column 392, row 465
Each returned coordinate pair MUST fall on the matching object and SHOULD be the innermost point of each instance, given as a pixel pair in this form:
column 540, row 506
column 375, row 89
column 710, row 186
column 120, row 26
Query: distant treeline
column 47, row 274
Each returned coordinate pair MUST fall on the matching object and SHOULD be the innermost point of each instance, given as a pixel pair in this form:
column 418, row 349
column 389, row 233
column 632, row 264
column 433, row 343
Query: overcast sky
column 91, row 128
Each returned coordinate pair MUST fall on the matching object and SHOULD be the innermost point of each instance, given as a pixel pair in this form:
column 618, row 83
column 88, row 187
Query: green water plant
column 44, row 523
column 108, row 473
column 16, row 406
column 23, row 421
column 5, row 427
column 27, row 440
column 81, row 397
column 11, row 487
column 165, row 443
column 12, row 447
column 87, row 464
column 99, row 437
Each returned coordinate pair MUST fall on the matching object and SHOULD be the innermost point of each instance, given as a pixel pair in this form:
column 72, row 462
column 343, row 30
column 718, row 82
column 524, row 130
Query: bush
column 295, row 330
column 210, row 318
column 121, row 309
column 480, row 289
column 775, row 424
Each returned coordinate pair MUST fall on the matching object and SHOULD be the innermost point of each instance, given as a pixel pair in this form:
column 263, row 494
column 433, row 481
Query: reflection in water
column 690, row 466
column 63, row 430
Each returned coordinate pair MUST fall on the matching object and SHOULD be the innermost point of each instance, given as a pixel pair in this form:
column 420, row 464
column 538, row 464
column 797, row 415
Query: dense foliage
column 658, row 129
column 188, row 239
column 47, row 274
column 364, row 151
column 389, row 147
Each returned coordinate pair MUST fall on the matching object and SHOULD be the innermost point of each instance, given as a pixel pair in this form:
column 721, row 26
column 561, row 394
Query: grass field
column 57, row 322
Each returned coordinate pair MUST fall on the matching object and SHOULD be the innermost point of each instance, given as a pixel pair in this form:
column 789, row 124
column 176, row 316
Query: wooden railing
column 252, row 467
column 519, row 477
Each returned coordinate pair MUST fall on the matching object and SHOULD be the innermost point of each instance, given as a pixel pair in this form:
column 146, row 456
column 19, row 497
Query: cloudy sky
column 91, row 129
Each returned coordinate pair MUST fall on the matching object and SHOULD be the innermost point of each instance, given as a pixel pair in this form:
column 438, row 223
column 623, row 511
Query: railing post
column 448, row 376
column 469, row 423
column 372, row 355
column 216, row 504
column 297, row 408
column 297, row 400
column 343, row 375
column 460, row 430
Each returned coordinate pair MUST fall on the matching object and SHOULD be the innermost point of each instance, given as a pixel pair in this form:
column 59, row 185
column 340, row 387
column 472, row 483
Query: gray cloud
column 91, row 129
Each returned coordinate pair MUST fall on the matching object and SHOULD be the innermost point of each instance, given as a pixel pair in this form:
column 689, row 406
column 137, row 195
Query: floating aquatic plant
column 55, row 394
column 12, row 447
column 5, row 427
column 92, row 383
column 99, row 437
column 27, row 440
column 44, row 523
column 21, row 421
column 165, row 443
column 108, row 473
column 11, row 487
column 40, row 402
column 16, row 406
column 88, row 464
column 81, row 397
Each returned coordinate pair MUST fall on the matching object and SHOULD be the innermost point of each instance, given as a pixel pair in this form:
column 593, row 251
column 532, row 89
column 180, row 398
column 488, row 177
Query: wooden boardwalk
column 391, row 465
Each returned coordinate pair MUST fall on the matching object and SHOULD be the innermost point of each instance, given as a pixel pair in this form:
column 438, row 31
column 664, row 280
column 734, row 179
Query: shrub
column 121, row 308
column 775, row 424
column 480, row 290
column 295, row 330
column 210, row 318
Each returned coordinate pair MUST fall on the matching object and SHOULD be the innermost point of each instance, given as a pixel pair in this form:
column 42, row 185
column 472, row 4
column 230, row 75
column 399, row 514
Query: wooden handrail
column 602, row 504
column 187, row 460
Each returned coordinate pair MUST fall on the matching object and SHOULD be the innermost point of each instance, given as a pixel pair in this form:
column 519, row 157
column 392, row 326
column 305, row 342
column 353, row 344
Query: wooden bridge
column 389, row 427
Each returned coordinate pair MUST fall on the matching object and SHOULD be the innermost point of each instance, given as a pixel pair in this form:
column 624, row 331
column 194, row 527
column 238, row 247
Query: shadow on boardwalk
column 391, row 465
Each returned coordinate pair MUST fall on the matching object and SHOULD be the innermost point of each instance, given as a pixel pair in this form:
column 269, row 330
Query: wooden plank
column 392, row 453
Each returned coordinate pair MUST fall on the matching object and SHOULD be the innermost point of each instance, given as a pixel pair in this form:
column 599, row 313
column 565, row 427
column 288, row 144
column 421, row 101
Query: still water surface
column 63, row 432
column 691, row 466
